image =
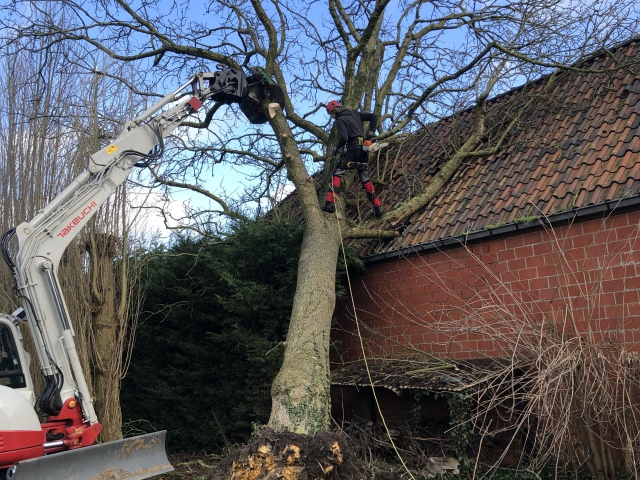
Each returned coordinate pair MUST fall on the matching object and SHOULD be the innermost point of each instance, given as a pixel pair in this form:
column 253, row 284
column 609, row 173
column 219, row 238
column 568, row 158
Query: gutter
column 556, row 220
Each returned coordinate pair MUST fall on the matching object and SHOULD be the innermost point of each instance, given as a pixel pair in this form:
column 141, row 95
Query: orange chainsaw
column 372, row 145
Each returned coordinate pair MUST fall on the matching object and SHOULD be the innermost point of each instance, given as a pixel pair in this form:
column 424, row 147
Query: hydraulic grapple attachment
column 132, row 458
column 233, row 86
column 260, row 85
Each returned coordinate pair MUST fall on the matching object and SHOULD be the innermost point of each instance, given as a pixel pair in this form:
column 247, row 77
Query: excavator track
column 132, row 458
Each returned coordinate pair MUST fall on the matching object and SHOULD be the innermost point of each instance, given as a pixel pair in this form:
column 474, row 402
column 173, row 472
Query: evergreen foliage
column 208, row 341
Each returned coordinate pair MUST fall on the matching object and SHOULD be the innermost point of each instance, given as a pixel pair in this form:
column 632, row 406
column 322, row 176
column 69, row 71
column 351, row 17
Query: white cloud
column 283, row 190
column 152, row 212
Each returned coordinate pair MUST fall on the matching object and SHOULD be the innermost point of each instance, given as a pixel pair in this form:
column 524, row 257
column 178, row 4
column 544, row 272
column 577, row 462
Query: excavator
column 61, row 446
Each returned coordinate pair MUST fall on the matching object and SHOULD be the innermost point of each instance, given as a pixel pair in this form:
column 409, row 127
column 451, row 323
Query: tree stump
column 291, row 456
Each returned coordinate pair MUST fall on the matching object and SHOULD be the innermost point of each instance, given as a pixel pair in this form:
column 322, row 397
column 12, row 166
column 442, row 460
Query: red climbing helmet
column 333, row 104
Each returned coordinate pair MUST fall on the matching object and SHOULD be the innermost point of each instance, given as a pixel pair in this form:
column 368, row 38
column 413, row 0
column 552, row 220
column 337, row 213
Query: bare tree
column 409, row 62
column 54, row 116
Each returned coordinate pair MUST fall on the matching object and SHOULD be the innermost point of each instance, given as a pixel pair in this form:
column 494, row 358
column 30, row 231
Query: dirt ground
column 189, row 466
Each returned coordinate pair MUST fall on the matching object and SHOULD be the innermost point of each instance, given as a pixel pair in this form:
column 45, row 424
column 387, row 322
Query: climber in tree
column 351, row 131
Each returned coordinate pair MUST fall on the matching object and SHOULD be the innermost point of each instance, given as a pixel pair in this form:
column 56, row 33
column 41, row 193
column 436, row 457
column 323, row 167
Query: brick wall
column 490, row 298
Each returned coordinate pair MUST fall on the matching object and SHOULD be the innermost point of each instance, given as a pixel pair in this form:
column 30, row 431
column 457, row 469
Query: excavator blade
column 132, row 458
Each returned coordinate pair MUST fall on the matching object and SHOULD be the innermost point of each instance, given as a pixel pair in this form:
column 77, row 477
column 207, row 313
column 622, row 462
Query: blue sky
column 232, row 179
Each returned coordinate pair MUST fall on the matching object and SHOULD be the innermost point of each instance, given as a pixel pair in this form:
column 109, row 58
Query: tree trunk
column 300, row 392
column 106, row 326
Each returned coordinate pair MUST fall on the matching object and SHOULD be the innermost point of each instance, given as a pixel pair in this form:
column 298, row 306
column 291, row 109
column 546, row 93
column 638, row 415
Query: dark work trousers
column 351, row 160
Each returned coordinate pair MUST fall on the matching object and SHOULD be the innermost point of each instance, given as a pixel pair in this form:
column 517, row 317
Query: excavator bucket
column 132, row 458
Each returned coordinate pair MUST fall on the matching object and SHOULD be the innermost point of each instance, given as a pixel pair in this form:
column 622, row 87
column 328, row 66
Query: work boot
column 377, row 212
column 329, row 208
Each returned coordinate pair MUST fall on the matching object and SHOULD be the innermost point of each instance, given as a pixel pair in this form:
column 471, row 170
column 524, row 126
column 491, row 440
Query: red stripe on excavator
column 195, row 103
column 18, row 445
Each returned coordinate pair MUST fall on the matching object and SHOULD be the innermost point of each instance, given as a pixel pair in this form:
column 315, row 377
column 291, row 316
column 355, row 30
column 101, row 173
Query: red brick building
column 521, row 251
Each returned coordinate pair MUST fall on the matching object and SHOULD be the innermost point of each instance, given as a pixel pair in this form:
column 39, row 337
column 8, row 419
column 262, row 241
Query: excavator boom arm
column 33, row 250
column 42, row 241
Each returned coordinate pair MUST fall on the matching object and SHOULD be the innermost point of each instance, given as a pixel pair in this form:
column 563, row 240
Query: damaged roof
column 575, row 143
